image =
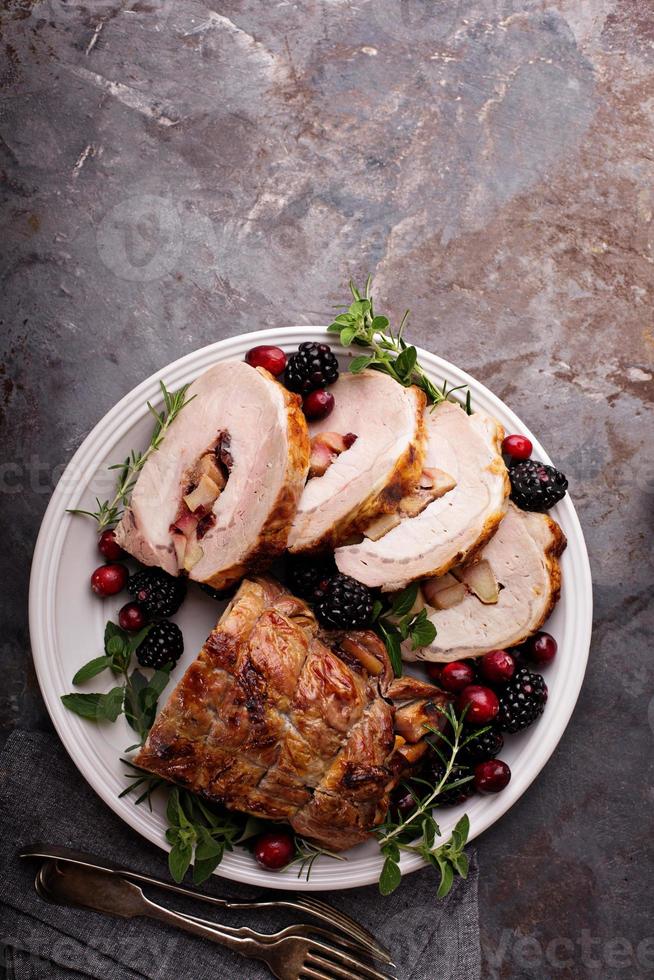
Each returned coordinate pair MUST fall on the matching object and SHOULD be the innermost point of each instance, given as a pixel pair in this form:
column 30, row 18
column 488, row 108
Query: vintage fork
column 288, row 957
column 304, row 903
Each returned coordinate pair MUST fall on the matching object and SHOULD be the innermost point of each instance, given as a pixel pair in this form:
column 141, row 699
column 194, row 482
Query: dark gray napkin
column 43, row 797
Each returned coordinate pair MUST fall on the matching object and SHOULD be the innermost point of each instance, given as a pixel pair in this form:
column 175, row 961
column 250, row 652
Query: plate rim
column 56, row 521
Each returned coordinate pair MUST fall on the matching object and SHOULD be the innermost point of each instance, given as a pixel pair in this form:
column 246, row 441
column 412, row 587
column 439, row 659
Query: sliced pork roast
column 522, row 559
column 280, row 720
column 365, row 456
column 458, row 506
column 219, row 495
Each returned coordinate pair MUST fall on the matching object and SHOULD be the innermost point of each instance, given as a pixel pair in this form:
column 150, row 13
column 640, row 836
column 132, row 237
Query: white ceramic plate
column 67, row 620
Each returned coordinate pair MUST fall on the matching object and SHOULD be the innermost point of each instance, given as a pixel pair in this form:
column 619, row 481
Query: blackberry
column 536, row 486
column 483, row 747
column 159, row 593
column 344, row 604
column 522, row 701
column 306, row 576
column 312, row 366
column 458, row 794
column 163, row 645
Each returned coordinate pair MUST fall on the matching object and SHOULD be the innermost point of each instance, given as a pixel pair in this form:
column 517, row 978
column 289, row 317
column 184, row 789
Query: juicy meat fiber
column 523, row 555
column 248, row 523
column 368, row 479
column 283, row 722
column 451, row 528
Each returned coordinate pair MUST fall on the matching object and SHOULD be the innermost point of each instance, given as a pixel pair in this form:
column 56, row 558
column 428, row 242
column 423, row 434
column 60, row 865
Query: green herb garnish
column 389, row 352
column 109, row 512
column 418, row 833
column 136, row 697
column 399, row 623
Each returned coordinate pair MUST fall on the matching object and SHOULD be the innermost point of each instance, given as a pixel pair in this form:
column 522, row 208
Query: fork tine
column 328, row 957
column 350, row 926
column 336, row 972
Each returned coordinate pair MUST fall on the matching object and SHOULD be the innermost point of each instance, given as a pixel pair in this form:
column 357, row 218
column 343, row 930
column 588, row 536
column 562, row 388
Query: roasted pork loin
column 280, row 720
column 217, row 499
column 523, row 556
column 372, row 471
column 450, row 528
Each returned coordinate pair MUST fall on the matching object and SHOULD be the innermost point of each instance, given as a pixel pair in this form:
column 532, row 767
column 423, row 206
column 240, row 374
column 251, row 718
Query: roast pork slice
column 524, row 557
column 451, row 528
column 243, row 444
column 381, row 465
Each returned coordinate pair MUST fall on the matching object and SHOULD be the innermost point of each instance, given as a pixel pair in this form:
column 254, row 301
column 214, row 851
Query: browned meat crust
column 277, row 720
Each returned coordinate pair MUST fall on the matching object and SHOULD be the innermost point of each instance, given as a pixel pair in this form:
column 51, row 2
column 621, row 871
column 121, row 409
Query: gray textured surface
column 173, row 174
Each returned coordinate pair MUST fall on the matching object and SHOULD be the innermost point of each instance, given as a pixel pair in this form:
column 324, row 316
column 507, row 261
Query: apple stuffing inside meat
column 206, row 482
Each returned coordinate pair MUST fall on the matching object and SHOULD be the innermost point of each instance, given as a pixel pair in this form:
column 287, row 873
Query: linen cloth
column 44, row 798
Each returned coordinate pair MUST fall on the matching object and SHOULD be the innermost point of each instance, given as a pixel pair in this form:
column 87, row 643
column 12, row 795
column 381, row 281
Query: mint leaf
column 392, row 640
column 95, row 707
column 404, row 602
column 135, row 641
column 91, row 669
column 422, row 631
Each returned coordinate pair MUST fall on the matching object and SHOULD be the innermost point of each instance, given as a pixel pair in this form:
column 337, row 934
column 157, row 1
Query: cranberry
column 132, row 617
column 498, row 666
column 481, row 702
column 109, row 547
column 274, row 850
column 491, row 776
column 273, row 359
column 318, row 405
column 540, row 648
column 109, row 579
column 456, row 675
column 434, row 672
column 517, row 447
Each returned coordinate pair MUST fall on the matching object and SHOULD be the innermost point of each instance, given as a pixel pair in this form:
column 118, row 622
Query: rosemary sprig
column 390, row 353
column 418, row 832
column 307, row 853
column 109, row 512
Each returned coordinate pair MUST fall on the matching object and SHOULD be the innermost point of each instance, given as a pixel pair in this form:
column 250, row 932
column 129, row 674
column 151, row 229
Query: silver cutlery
column 307, row 904
column 288, row 956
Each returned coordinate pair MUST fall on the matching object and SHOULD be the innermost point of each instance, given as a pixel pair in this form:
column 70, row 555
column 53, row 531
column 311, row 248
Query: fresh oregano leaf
column 179, row 860
column 360, row 363
column 390, row 876
column 405, row 363
column 447, row 879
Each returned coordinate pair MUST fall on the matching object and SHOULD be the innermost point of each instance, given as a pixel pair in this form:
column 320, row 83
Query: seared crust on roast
column 278, row 719
column 368, row 479
column 454, row 527
column 524, row 557
column 251, row 433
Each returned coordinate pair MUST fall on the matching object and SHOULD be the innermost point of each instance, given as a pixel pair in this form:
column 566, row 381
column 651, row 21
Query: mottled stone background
column 173, row 173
